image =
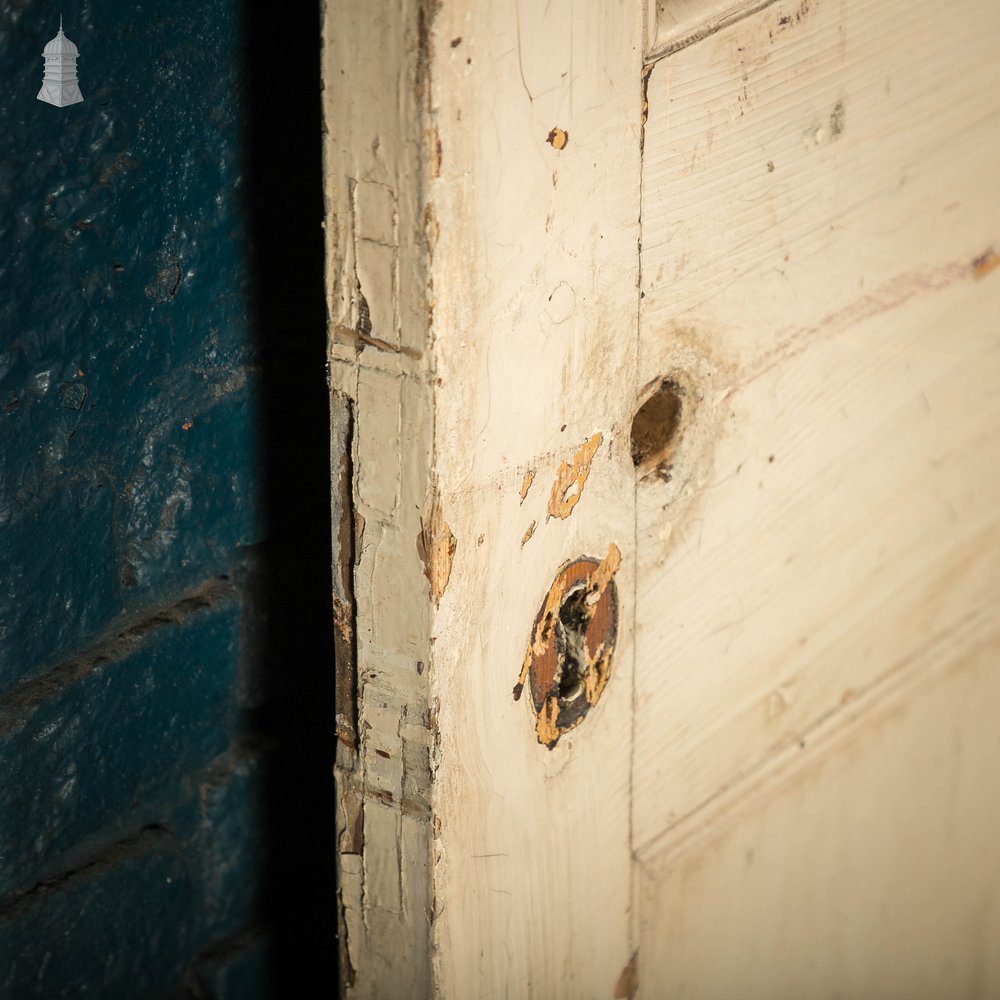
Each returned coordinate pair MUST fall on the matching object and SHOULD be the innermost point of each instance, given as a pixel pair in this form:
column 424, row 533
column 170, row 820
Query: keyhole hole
column 574, row 617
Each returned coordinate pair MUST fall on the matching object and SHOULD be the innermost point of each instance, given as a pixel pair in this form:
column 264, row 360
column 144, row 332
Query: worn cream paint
column 393, row 540
column 807, row 626
column 809, row 806
column 834, row 307
column 870, row 872
column 535, row 278
column 439, row 121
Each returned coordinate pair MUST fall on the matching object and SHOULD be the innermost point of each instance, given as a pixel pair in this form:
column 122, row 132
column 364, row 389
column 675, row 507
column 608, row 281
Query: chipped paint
column 436, row 547
column 628, row 982
column 558, row 138
column 570, row 474
column 529, row 478
column 394, row 86
column 432, row 230
column 985, row 263
column 346, row 532
column 568, row 661
column 530, row 531
column 434, row 145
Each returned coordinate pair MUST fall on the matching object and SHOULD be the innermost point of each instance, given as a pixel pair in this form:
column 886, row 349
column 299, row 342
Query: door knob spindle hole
column 656, row 429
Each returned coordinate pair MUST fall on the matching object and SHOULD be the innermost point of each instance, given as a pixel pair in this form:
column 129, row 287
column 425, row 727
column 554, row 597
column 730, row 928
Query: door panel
column 819, row 232
column 870, row 873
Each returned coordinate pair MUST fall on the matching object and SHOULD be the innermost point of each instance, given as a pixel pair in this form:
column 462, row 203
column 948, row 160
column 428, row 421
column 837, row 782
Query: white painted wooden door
column 664, row 351
column 815, row 800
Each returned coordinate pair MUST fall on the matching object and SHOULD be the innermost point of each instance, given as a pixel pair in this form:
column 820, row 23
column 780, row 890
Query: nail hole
column 656, row 427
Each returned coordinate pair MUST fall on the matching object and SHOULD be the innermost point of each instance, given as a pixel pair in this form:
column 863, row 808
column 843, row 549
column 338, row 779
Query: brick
column 78, row 567
column 110, row 539
column 213, row 836
column 120, row 929
column 240, row 972
column 229, row 842
column 89, row 758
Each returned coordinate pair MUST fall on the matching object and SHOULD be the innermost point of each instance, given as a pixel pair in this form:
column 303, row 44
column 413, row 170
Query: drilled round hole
column 656, row 427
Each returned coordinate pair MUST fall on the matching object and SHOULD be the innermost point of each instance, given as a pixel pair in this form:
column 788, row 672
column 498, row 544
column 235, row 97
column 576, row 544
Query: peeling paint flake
column 529, row 478
column 571, row 474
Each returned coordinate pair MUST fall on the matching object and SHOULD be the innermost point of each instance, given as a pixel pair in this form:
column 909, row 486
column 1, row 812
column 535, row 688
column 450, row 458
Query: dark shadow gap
column 295, row 657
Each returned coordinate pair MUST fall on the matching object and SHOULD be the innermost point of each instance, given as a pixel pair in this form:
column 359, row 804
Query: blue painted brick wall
column 105, row 737
column 128, row 370
column 137, row 731
column 119, row 929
